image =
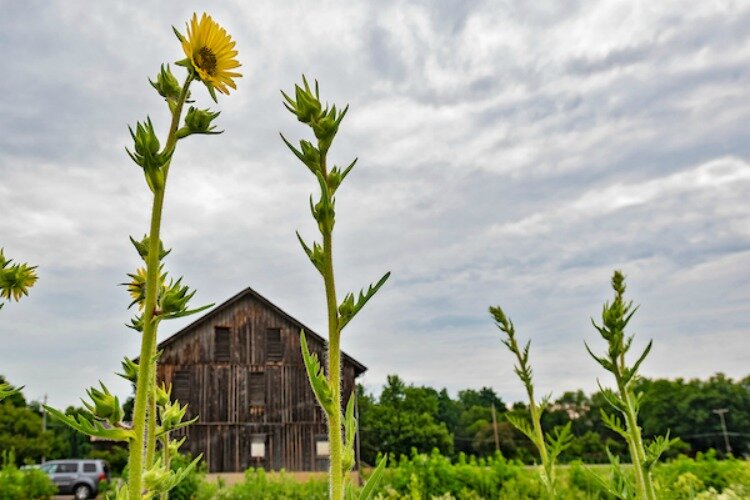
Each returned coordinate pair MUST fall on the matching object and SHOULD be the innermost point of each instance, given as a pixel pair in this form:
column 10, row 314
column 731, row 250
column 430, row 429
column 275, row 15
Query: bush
column 26, row 484
column 259, row 485
column 684, row 476
column 434, row 475
column 187, row 489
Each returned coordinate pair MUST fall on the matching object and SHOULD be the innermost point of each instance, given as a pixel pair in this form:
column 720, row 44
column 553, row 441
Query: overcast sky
column 511, row 153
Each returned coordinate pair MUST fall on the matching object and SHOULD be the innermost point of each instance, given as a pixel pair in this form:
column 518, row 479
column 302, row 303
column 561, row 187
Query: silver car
column 79, row 478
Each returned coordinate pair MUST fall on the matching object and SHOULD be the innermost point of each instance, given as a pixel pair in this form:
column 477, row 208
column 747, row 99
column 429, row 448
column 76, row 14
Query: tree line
column 405, row 417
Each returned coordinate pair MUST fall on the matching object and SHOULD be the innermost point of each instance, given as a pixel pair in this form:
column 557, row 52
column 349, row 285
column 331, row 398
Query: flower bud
column 146, row 142
column 163, row 394
column 15, row 279
column 310, row 155
column 129, row 370
column 174, row 298
column 166, row 84
column 105, row 405
column 171, row 415
column 158, row 478
column 147, row 155
column 198, row 121
column 142, row 247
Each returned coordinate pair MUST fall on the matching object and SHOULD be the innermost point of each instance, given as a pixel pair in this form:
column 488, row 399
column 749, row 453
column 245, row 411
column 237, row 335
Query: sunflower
column 211, row 52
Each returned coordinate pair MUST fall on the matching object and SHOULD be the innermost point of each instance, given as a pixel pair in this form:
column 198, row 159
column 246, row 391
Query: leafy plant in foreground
column 210, row 59
column 549, row 446
column 615, row 318
column 324, row 122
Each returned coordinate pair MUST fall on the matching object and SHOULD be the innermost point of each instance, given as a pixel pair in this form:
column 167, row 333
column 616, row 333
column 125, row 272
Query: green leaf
column 349, row 308
column 631, row 372
column 350, row 433
column 91, row 427
column 372, row 483
column 559, row 440
column 522, row 425
column 7, row 390
column 613, row 422
column 318, row 381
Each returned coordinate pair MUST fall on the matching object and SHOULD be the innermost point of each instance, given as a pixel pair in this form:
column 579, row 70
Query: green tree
column 403, row 419
column 21, row 430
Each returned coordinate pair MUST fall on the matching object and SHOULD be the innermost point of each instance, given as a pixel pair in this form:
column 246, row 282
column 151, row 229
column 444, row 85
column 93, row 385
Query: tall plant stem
column 541, row 445
column 145, row 386
column 334, row 367
column 637, row 452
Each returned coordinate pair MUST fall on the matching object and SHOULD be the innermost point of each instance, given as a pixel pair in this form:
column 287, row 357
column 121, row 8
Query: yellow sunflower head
column 210, row 51
column 137, row 287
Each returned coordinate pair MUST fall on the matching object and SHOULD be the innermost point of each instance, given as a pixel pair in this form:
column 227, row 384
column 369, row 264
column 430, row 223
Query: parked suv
column 77, row 477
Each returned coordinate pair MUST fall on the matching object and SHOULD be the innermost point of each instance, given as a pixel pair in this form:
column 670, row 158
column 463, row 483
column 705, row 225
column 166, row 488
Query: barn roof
column 359, row 368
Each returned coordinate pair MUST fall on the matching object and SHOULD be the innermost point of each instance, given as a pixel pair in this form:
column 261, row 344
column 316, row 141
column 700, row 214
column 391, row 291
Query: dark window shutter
column 222, row 343
column 181, row 386
column 257, row 389
column 274, row 349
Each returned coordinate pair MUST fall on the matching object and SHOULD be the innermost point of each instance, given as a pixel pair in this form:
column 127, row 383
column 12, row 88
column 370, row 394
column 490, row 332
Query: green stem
column 334, row 362
column 147, row 365
column 637, row 452
column 167, row 458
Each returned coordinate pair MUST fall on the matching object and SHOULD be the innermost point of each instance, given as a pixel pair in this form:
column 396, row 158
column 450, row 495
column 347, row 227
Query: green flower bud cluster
column 167, row 86
column 171, row 415
column 159, row 478
column 147, row 154
column 129, row 370
column 142, row 248
column 15, row 279
column 324, row 121
column 104, row 405
column 198, row 121
column 163, row 394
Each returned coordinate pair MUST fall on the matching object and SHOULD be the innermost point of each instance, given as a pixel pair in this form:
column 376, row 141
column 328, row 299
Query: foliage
column 324, row 122
column 403, row 419
column 28, row 484
column 433, row 474
column 704, row 472
column 21, row 430
column 259, row 485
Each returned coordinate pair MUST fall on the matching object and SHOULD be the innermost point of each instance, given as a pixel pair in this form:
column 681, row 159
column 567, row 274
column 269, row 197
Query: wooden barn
column 240, row 369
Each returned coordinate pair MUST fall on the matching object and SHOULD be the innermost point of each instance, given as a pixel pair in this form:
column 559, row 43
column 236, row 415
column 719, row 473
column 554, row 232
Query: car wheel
column 82, row 492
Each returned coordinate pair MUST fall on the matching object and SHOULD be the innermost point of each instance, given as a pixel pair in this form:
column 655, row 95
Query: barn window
column 322, row 447
column 274, row 349
column 258, row 446
column 181, row 386
column 222, row 343
column 257, row 389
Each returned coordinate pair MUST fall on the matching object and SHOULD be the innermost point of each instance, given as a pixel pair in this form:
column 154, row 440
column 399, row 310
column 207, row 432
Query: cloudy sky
column 511, row 153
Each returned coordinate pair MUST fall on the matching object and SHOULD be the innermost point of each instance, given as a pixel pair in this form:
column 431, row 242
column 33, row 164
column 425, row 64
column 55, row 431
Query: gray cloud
column 510, row 154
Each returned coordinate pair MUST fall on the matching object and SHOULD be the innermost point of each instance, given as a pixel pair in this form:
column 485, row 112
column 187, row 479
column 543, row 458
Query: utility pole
column 720, row 412
column 494, row 429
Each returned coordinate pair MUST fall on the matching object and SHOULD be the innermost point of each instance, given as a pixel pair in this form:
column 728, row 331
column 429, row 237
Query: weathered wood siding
column 219, row 392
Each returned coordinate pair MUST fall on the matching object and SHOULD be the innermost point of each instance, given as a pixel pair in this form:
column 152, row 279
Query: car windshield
column 48, row 468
